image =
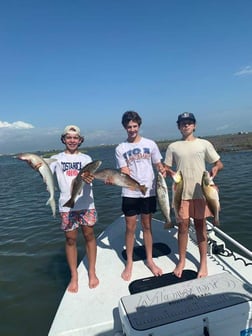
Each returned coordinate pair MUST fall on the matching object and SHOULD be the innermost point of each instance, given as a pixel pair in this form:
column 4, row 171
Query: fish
column 78, row 183
column 115, row 177
column 163, row 200
column 42, row 166
column 177, row 190
column 211, row 194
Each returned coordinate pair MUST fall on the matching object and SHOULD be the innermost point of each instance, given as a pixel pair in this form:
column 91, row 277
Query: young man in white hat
column 83, row 214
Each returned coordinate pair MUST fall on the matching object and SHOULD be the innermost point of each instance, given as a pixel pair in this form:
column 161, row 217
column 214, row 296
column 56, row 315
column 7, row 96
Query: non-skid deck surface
column 158, row 250
column 153, row 282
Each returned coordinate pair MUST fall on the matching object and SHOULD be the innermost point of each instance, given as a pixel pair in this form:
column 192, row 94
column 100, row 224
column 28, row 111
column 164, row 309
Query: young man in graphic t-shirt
column 66, row 167
column 135, row 157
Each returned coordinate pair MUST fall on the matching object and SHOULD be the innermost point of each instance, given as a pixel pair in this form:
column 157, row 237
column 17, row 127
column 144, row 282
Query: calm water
column 33, row 271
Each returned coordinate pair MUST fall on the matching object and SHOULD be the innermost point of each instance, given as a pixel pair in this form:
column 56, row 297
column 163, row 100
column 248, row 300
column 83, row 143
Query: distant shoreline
column 222, row 143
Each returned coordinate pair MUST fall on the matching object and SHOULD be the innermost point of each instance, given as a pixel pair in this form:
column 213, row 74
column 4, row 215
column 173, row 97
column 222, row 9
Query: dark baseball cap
column 186, row 116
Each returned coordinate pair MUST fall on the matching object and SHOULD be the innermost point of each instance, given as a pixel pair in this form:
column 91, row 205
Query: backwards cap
column 71, row 129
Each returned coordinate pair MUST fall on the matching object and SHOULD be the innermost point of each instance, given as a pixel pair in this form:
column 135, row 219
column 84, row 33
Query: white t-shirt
column 66, row 169
column 139, row 157
column 190, row 158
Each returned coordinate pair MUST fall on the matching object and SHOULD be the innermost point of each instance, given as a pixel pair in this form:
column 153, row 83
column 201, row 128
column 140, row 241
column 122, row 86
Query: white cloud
column 15, row 125
column 247, row 70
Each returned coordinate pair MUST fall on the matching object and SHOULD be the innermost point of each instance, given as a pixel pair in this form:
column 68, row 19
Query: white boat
column 217, row 305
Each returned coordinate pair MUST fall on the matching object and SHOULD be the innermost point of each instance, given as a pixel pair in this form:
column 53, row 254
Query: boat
column 216, row 305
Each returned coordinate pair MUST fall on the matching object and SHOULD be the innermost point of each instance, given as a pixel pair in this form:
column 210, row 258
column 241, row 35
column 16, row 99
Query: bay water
column 33, row 269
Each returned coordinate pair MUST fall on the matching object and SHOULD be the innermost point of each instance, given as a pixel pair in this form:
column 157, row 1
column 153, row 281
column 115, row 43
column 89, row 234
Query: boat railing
column 235, row 243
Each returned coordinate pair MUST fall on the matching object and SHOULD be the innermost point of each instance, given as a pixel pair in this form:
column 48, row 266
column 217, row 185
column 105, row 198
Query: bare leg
column 91, row 250
column 71, row 255
column 129, row 241
column 182, row 245
column 200, row 227
column 148, row 241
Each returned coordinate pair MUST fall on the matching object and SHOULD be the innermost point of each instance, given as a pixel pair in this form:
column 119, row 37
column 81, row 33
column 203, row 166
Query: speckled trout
column 211, row 194
column 177, row 190
column 78, row 183
column 40, row 164
column 163, row 200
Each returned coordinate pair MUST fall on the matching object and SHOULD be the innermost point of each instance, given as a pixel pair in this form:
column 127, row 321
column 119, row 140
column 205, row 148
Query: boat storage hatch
column 215, row 305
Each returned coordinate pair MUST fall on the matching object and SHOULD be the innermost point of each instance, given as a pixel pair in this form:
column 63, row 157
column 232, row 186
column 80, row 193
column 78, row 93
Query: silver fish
column 177, row 190
column 78, row 183
column 117, row 178
column 211, row 195
column 163, row 200
column 40, row 164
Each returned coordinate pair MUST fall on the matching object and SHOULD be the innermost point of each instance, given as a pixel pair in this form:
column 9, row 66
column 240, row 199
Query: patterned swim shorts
column 73, row 219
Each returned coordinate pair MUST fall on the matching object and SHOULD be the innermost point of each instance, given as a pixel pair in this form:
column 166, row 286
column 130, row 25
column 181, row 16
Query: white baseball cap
column 72, row 129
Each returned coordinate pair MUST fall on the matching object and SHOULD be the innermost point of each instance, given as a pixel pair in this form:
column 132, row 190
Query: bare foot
column 154, row 268
column 73, row 285
column 126, row 274
column 178, row 270
column 93, row 281
column 202, row 271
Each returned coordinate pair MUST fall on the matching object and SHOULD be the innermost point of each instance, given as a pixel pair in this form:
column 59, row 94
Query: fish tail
column 217, row 220
column 51, row 202
column 143, row 189
column 69, row 203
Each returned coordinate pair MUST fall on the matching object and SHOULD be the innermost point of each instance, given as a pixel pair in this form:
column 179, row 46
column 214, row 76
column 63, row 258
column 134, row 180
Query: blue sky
column 86, row 62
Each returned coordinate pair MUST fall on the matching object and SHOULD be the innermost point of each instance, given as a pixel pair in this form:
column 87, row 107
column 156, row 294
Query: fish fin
column 52, row 203
column 177, row 177
column 143, row 189
column 168, row 225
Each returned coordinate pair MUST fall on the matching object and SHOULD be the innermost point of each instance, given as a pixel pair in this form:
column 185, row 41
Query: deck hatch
column 184, row 300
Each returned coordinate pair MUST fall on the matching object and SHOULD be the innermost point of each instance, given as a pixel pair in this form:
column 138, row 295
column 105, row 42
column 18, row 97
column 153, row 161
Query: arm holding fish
column 168, row 171
column 160, row 168
column 87, row 177
column 125, row 170
column 218, row 165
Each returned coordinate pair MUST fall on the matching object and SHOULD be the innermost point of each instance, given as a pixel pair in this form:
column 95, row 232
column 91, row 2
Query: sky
column 87, row 62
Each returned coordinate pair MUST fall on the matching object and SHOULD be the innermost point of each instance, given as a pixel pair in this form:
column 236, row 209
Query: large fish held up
column 163, row 200
column 78, row 183
column 40, row 164
column 177, row 190
column 211, row 194
column 113, row 176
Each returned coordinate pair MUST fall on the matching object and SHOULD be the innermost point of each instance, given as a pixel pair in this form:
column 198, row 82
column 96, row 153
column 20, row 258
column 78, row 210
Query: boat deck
column 95, row 311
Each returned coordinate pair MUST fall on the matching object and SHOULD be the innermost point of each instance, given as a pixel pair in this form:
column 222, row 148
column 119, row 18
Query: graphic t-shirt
column 190, row 158
column 66, row 167
column 139, row 157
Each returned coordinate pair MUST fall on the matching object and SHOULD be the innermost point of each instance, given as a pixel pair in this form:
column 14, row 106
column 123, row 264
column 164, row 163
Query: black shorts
column 136, row 206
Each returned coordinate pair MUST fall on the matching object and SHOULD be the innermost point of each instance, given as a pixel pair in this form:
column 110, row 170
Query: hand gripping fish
column 163, row 200
column 40, row 164
column 211, row 194
column 78, row 183
column 177, row 190
column 117, row 178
